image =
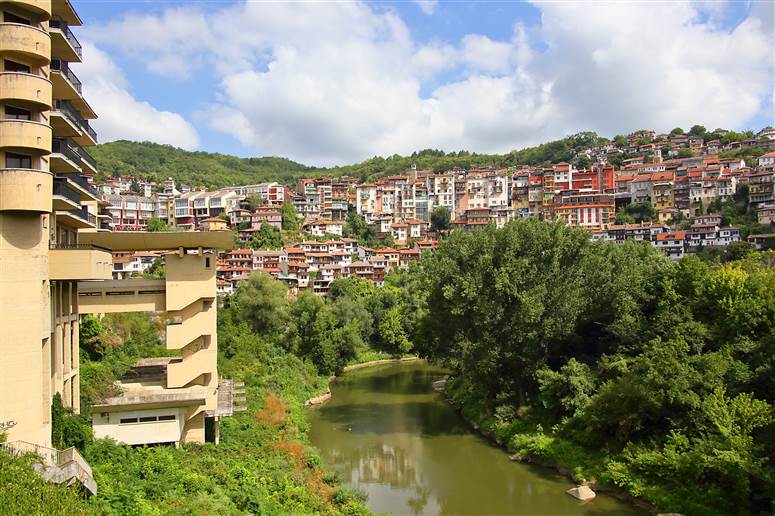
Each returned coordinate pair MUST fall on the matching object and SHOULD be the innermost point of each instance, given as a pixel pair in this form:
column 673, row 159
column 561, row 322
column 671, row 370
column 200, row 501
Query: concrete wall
column 25, row 326
column 108, row 424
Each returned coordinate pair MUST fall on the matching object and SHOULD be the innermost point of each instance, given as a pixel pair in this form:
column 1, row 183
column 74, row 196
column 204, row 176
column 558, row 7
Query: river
column 392, row 436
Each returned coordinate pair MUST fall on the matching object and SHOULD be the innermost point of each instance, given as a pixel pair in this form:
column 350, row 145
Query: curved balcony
column 26, row 135
column 42, row 8
column 26, row 88
column 23, row 189
column 27, row 41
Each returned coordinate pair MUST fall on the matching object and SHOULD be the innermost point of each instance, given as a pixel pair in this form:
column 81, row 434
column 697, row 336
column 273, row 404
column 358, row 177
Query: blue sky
column 332, row 83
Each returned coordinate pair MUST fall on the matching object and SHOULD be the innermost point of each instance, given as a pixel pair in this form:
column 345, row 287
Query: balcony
column 64, row 44
column 25, row 135
column 78, row 219
column 67, row 86
column 26, row 89
column 82, row 186
column 69, row 157
column 42, row 8
column 64, row 196
column 65, row 157
column 25, row 41
column 67, row 121
column 24, row 189
column 72, row 262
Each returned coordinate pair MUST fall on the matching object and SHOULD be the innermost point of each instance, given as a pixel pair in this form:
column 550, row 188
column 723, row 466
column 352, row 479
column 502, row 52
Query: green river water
column 391, row 435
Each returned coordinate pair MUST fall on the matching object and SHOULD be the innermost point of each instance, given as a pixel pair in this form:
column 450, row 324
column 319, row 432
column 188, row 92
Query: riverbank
column 538, row 448
column 322, row 398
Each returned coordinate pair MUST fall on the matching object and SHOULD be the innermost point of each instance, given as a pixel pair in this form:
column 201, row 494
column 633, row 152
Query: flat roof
column 157, row 241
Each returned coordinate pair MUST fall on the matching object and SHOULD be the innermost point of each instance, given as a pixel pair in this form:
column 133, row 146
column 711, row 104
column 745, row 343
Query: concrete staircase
column 56, row 466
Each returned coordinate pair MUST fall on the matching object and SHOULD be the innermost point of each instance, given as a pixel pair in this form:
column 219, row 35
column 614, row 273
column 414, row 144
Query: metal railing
column 86, row 127
column 66, row 108
column 67, row 149
column 62, row 189
column 68, row 111
column 64, row 69
column 83, row 183
column 88, row 157
column 84, row 214
column 56, row 23
column 83, row 247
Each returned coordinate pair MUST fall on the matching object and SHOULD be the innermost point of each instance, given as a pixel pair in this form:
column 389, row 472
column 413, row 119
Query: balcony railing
column 69, row 36
column 62, row 189
column 83, row 183
column 84, row 214
column 87, row 247
column 64, row 69
column 67, row 149
column 71, row 113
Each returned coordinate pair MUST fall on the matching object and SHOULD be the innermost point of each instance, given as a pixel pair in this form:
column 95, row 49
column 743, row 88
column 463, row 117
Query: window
column 167, row 418
column 13, row 66
column 207, row 263
column 127, row 420
column 14, row 113
column 12, row 18
column 147, row 419
column 17, row 160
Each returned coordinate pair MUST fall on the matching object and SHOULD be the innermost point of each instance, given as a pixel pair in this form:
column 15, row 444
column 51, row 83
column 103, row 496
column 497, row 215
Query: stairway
column 56, row 466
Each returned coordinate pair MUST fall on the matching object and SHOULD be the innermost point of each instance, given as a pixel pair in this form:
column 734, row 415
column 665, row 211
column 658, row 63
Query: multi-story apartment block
column 585, row 210
column 761, row 186
column 130, row 212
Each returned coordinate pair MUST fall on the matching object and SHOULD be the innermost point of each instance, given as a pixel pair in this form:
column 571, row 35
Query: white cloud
column 340, row 82
column 427, row 6
column 121, row 116
column 481, row 53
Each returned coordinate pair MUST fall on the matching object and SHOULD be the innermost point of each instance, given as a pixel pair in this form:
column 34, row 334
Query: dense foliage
column 358, row 320
column 148, row 160
column 24, row 492
column 655, row 376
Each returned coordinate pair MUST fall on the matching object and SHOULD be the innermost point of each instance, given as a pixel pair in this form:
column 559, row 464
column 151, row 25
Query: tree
column 267, row 237
column 676, row 131
column 737, row 251
column 157, row 225
column 156, row 271
column 584, row 162
column 356, row 227
column 440, row 218
column 622, row 217
column 698, row 130
column 620, row 141
column 262, row 302
column 290, row 217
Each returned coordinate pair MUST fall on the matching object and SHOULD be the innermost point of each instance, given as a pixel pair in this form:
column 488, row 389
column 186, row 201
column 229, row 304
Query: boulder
column 583, row 493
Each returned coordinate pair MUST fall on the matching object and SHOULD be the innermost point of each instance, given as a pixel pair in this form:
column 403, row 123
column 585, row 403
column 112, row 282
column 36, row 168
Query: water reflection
column 387, row 432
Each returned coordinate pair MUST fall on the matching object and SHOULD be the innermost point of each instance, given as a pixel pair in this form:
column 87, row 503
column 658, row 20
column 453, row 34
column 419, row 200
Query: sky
column 331, row 83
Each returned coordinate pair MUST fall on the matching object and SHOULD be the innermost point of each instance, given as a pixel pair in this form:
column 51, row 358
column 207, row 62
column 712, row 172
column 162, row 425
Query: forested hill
column 153, row 161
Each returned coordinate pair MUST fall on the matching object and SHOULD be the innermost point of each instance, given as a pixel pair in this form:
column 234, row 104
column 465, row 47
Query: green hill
column 153, row 161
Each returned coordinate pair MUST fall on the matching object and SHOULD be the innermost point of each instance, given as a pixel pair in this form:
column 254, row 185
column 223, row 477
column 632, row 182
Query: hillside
column 153, row 161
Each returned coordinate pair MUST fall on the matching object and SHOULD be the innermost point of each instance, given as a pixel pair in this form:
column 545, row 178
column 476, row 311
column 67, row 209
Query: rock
column 583, row 493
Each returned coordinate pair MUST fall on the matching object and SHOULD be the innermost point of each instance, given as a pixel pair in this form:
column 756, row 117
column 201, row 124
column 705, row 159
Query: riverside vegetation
column 615, row 362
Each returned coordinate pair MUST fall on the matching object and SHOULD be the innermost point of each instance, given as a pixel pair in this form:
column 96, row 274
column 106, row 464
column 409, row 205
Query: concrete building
column 168, row 399
column 46, row 204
